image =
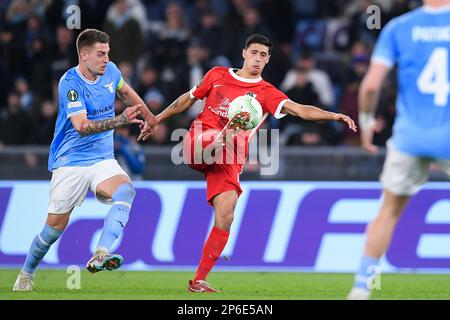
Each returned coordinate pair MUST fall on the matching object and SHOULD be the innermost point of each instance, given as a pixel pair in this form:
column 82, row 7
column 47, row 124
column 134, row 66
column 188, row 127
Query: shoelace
column 202, row 283
column 24, row 281
column 100, row 256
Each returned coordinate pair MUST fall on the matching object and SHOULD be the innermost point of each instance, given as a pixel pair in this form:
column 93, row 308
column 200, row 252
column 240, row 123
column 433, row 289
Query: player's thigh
column 224, row 203
column 107, row 177
column 107, row 188
column 221, row 178
column 403, row 174
column 199, row 149
column 68, row 188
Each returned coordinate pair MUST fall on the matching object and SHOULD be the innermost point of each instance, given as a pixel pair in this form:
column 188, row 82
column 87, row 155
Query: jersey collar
column 234, row 75
column 77, row 69
column 437, row 10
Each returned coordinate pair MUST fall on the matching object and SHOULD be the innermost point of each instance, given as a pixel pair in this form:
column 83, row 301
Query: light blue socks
column 115, row 221
column 117, row 216
column 39, row 247
column 366, row 270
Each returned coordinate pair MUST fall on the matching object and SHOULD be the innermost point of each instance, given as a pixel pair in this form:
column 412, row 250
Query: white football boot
column 359, row 294
column 102, row 260
column 24, row 282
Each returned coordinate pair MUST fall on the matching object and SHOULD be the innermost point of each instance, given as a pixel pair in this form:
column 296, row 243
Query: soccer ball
column 248, row 104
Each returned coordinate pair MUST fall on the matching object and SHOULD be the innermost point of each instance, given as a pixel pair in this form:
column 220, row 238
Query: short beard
column 96, row 73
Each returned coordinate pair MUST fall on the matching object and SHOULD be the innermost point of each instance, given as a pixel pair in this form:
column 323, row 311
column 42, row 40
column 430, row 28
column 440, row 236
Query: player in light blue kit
column 82, row 153
column 417, row 42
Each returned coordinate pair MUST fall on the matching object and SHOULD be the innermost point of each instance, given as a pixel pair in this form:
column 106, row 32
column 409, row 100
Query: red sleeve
column 274, row 100
column 202, row 89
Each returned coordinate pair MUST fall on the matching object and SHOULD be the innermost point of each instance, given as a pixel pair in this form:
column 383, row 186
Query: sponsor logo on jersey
column 103, row 110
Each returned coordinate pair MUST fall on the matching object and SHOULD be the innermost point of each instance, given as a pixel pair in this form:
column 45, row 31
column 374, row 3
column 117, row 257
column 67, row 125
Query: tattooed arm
column 86, row 127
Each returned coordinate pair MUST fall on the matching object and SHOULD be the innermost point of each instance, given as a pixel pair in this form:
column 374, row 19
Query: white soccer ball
column 246, row 103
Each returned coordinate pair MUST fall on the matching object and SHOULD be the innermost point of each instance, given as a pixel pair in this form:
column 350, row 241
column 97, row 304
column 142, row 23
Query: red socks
column 211, row 252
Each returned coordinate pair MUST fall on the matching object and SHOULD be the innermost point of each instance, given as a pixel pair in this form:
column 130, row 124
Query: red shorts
column 220, row 176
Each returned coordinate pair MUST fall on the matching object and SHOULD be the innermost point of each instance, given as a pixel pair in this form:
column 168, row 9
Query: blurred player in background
column 418, row 43
column 219, row 87
column 128, row 153
column 81, row 154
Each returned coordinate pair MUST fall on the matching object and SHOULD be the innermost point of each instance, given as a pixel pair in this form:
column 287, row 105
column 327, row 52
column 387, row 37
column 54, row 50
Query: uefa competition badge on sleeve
column 72, row 95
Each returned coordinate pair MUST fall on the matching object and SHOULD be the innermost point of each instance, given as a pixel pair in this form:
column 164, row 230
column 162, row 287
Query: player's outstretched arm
column 131, row 98
column 86, row 127
column 179, row 105
column 368, row 95
column 312, row 113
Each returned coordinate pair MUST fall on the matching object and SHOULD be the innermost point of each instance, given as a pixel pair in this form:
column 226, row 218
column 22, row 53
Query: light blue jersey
column 419, row 43
column 96, row 98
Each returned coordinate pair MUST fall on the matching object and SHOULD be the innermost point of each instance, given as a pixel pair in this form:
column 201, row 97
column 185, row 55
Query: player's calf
column 38, row 249
column 117, row 217
column 115, row 222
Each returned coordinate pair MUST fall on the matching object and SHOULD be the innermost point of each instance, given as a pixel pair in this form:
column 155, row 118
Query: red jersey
column 221, row 85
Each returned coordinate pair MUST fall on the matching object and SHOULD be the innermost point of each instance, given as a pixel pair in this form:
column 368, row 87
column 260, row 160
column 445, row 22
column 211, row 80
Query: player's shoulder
column 265, row 85
column 70, row 78
column 214, row 74
column 406, row 18
column 111, row 66
column 218, row 71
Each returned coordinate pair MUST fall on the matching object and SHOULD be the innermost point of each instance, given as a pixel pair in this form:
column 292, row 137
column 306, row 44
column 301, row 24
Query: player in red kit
column 219, row 87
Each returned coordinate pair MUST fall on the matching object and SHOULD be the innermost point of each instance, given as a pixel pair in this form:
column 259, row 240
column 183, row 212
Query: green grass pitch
column 51, row 284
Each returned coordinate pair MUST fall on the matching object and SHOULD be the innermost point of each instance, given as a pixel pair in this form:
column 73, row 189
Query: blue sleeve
column 71, row 98
column 385, row 51
column 117, row 75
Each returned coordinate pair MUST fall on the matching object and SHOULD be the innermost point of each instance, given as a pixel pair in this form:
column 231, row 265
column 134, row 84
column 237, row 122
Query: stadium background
column 309, row 216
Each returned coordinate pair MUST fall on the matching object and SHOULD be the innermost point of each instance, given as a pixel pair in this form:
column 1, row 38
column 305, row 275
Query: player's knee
column 125, row 193
column 61, row 226
column 229, row 220
column 58, row 221
column 225, row 219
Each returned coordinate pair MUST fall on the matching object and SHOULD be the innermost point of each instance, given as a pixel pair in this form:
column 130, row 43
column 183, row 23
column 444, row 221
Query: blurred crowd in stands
column 163, row 48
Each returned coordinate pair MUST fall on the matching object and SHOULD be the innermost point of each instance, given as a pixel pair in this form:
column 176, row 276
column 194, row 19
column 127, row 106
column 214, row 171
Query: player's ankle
column 27, row 274
column 101, row 250
column 199, row 278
